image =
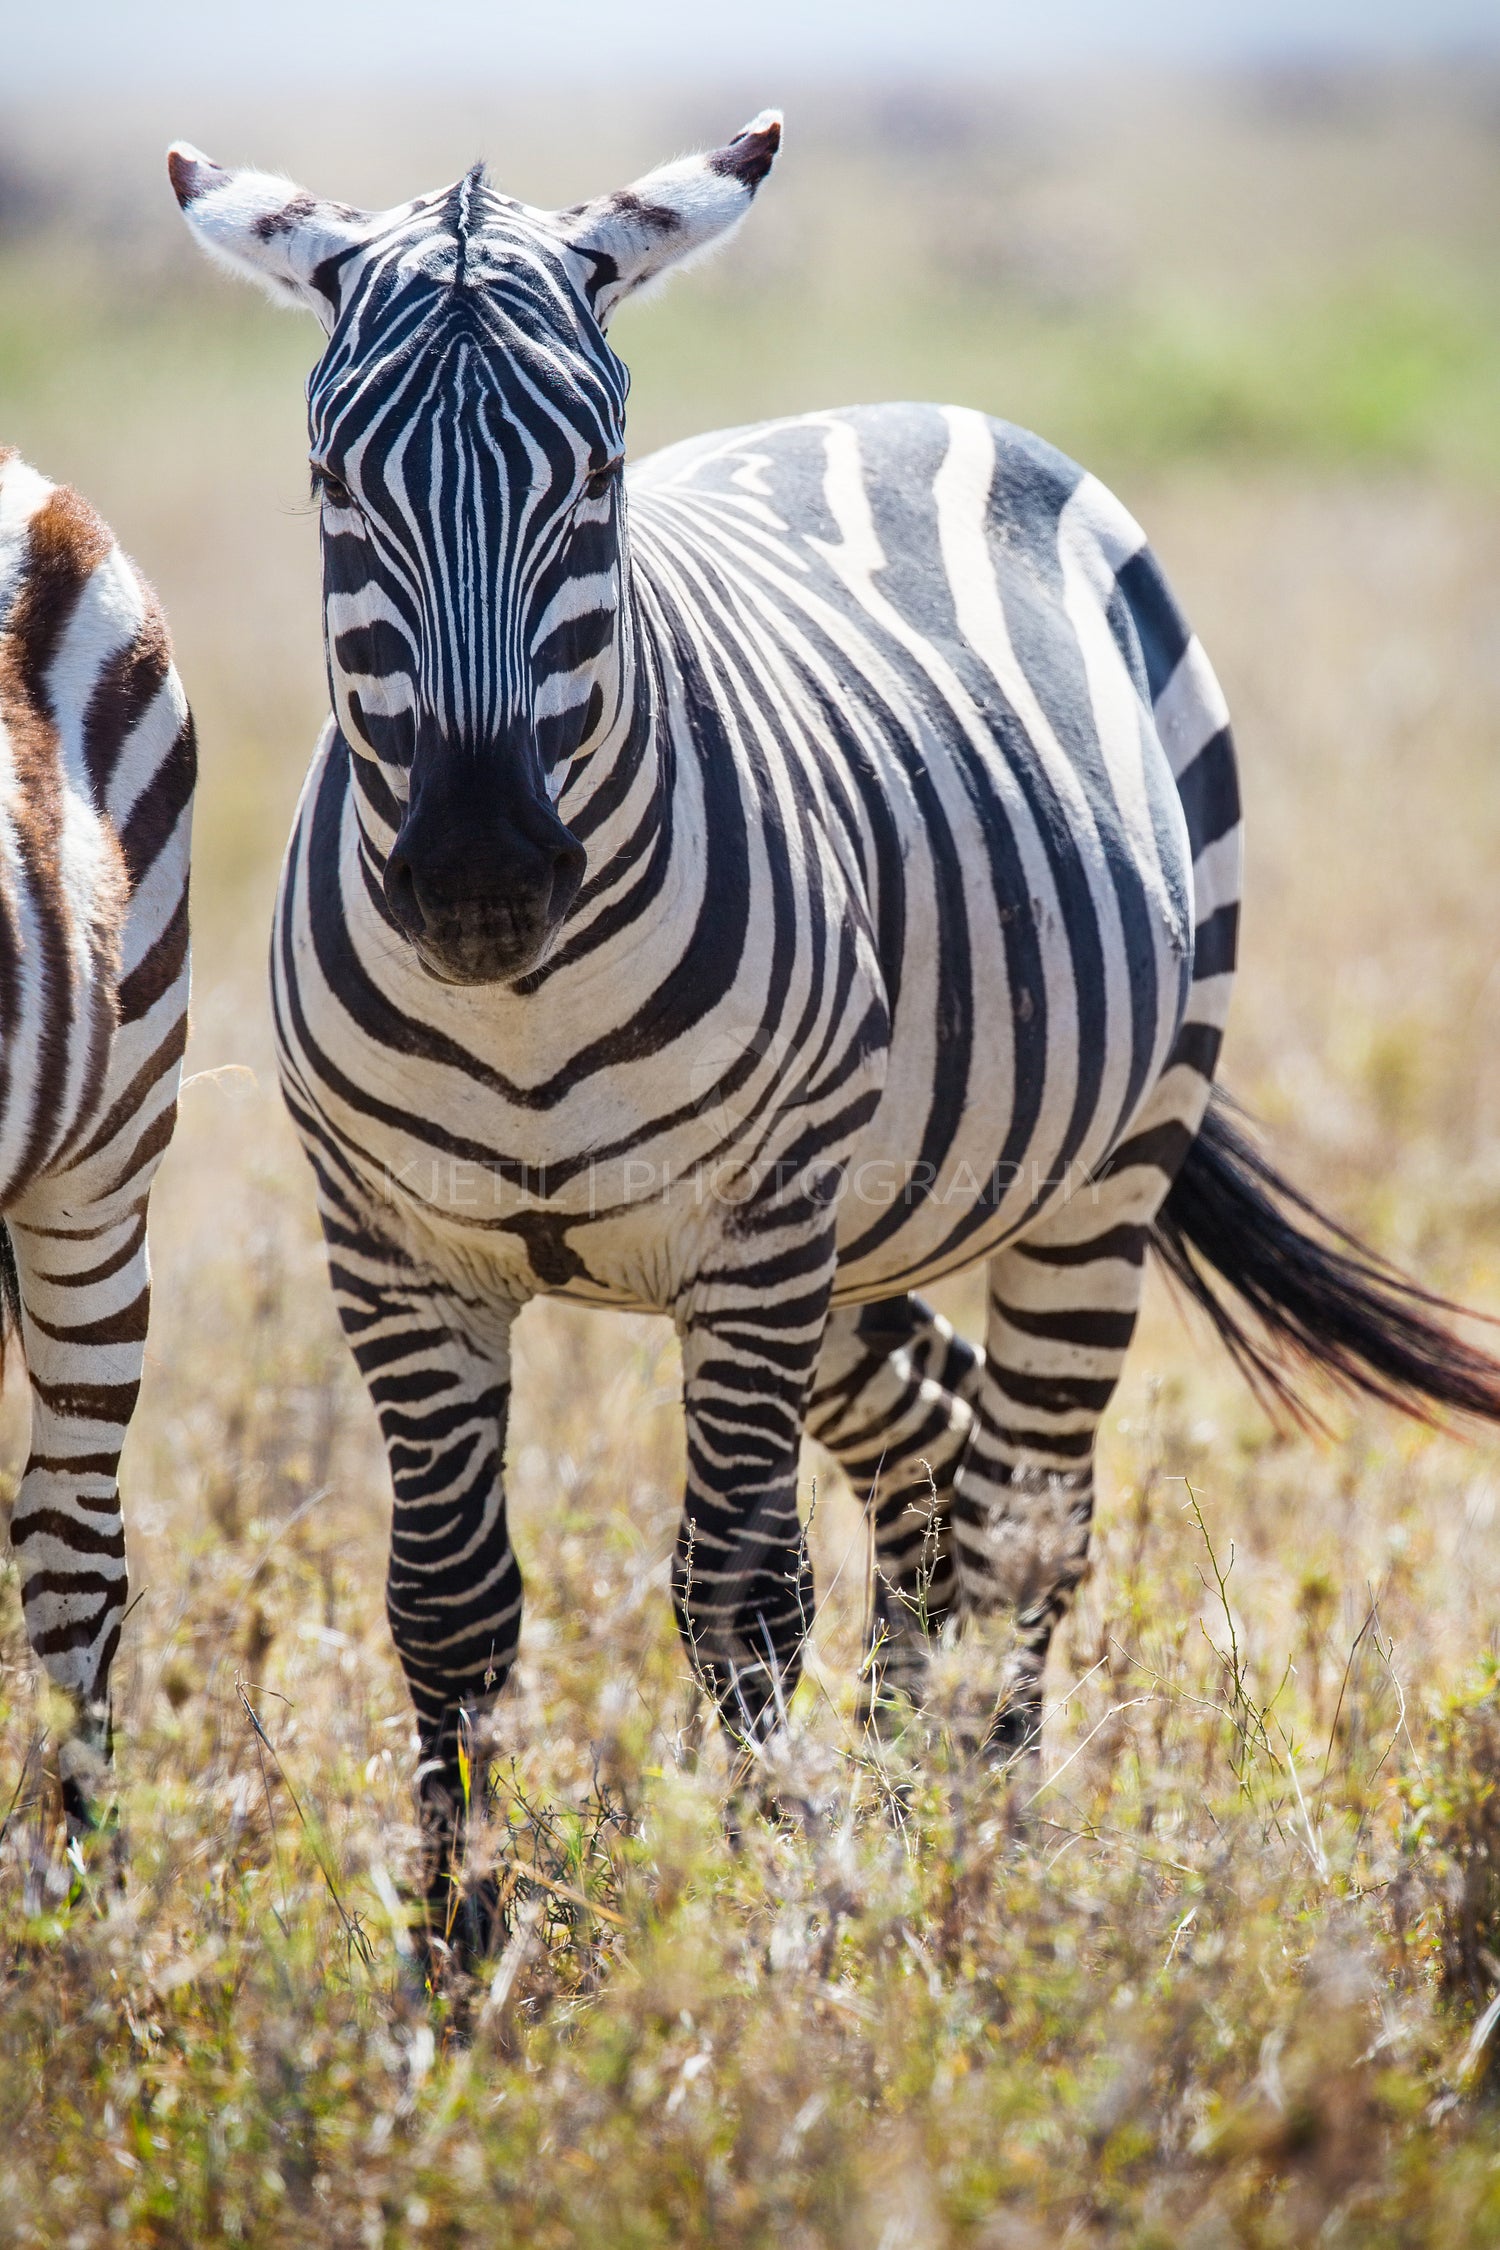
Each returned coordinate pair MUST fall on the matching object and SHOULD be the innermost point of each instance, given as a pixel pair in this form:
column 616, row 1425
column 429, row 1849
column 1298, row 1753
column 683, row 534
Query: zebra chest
column 634, row 1233
column 614, row 1186
column 598, row 1137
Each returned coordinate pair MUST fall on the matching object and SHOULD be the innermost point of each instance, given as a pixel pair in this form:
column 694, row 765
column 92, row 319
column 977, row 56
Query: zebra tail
column 10, row 1295
column 1318, row 1297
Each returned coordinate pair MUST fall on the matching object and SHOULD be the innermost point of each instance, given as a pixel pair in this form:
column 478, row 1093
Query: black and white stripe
column 751, row 890
column 97, row 766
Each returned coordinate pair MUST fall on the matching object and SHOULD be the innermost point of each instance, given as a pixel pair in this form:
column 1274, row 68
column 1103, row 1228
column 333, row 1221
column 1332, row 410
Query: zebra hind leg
column 1062, row 1310
column 891, row 1403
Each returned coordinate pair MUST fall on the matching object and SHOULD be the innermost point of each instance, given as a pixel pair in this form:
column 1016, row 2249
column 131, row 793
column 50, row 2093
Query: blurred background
column 1241, row 260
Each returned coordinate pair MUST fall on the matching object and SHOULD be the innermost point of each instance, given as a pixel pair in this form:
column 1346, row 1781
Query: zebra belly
column 969, row 1150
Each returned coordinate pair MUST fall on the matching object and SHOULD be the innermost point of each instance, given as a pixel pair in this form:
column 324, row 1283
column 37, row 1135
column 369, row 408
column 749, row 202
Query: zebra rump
column 1332, row 1305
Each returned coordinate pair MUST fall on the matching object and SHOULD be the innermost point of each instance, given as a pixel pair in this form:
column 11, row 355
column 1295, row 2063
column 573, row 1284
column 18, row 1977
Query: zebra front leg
column 890, row 1402
column 85, row 1293
column 437, row 1365
column 742, row 1581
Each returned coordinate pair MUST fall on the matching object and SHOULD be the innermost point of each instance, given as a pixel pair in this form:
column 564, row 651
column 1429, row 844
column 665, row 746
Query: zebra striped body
column 920, row 900
column 97, row 766
column 925, row 828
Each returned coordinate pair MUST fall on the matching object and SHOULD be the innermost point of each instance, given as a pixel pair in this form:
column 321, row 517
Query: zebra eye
column 326, row 486
column 598, row 481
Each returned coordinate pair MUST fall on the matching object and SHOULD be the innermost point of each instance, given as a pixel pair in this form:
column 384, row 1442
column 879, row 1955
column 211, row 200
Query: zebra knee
column 893, row 1393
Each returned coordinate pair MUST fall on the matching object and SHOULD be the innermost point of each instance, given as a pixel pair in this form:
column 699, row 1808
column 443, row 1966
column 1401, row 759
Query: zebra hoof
column 459, row 1928
column 477, row 1935
column 788, row 1810
column 96, row 1841
column 1013, row 1742
column 85, row 1778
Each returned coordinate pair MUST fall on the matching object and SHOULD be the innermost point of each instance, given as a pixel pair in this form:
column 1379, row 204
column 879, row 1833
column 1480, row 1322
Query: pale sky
column 314, row 44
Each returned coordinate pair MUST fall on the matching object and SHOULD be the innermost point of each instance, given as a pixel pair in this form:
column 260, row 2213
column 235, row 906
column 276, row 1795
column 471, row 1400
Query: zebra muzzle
column 482, row 901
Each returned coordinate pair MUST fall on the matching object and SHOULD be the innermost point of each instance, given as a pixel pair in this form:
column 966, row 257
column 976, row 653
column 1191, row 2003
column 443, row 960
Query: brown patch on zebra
column 66, row 543
column 658, row 216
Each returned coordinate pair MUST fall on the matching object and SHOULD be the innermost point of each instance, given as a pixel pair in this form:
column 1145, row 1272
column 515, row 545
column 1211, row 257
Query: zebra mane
column 462, row 197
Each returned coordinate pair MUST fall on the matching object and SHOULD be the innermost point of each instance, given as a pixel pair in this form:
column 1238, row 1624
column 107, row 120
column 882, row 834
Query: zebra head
column 467, row 433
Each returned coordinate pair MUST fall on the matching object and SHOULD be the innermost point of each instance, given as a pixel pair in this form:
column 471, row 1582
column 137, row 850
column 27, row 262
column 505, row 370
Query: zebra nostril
column 401, row 895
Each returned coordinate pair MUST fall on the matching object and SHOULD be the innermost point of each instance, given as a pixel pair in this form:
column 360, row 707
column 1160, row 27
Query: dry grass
column 1218, row 1981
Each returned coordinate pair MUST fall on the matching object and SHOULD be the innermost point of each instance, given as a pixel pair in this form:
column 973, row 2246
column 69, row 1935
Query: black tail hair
column 1320, row 1299
column 10, row 1294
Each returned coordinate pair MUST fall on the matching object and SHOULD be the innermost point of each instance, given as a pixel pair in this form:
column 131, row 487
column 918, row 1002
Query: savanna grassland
column 1222, row 1971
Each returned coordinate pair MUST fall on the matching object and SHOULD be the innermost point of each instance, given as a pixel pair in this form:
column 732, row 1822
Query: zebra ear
column 266, row 230
column 631, row 238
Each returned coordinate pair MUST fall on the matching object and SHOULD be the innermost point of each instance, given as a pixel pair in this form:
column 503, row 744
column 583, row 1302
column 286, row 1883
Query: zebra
column 97, row 768
column 749, row 889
